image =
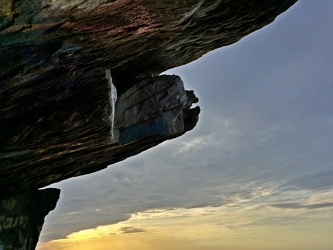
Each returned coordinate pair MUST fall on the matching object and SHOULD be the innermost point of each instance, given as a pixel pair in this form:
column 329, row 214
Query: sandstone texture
column 58, row 116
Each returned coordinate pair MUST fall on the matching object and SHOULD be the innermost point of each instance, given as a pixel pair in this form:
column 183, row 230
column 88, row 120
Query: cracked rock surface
column 54, row 96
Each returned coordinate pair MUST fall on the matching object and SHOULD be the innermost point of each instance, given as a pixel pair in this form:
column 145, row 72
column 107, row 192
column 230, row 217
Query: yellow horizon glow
column 237, row 226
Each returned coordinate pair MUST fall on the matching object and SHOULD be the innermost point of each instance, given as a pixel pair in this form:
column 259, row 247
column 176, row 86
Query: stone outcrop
column 55, row 108
column 139, row 109
column 87, row 131
column 22, row 218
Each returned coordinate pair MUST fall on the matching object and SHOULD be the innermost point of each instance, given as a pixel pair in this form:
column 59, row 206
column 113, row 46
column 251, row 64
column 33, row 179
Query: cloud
column 245, row 218
column 303, row 206
column 131, row 230
column 264, row 136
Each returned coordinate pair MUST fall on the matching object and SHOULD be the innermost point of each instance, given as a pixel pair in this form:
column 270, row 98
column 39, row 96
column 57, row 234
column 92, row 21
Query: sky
column 256, row 172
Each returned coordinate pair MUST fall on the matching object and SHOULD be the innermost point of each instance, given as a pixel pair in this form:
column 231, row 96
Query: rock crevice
column 55, row 100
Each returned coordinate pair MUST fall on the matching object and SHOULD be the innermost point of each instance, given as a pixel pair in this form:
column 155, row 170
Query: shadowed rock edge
column 54, row 112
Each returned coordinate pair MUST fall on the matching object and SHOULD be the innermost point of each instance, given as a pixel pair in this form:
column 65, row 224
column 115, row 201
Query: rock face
column 157, row 106
column 22, row 218
column 87, row 132
column 56, row 104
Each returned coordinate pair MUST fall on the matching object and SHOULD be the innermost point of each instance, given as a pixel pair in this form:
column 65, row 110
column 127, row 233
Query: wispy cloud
column 260, row 155
column 131, row 230
column 240, row 220
column 303, row 206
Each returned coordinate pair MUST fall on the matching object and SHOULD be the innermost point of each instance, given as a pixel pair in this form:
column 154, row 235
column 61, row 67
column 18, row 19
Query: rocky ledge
column 79, row 80
column 22, row 218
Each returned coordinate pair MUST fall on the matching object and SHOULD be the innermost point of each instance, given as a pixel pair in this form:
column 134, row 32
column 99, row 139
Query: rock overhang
column 55, row 102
